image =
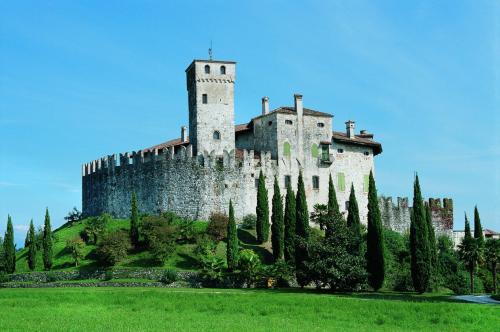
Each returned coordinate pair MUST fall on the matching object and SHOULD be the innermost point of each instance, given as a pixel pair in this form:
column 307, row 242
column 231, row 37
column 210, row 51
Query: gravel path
column 483, row 299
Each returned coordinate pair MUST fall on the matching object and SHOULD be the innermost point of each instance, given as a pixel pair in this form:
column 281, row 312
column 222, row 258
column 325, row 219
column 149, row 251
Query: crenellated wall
column 174, row 180
column 397, row 216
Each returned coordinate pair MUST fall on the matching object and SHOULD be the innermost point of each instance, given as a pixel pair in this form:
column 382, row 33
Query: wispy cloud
column 21, row 227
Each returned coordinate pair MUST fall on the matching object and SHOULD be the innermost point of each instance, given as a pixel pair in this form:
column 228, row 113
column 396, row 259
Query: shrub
column 186, row 230
column 249, row 266
column 94, row 228
column 204, row 245
column 212, row 267
column 168, row 276
column 217, row 226
column 249, row 221
column 75, row 247
column 113, row 247
column 108, row 274
column 160, row 235
column 51, row 277
column 280, row 271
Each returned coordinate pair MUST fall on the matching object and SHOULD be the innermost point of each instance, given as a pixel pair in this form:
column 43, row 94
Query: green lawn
column 140, row 309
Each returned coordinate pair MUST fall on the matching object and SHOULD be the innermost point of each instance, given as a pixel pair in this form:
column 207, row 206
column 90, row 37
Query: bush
column 160, row 235
column 249, row 221
column 249, row 266
column 280, row 271
column 187, row 230
column 113, row 247
column 108, row 274
column 168, row 276
column 217, row 226
column 94, row 228
column 212, row 267
column 51, row 277
column 75, row 247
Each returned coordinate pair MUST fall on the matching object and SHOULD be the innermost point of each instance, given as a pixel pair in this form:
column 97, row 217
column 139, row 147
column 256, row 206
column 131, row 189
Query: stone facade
column 220, row 161
column 397, row 216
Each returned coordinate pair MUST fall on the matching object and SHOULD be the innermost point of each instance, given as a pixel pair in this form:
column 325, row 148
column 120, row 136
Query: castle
column 215, row 160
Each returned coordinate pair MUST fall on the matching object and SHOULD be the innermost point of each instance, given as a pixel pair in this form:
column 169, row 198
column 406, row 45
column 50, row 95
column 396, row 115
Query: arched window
column 207, row 69
column 314, row 150
column 216, row 135
column 286, row 149
column 223, row 70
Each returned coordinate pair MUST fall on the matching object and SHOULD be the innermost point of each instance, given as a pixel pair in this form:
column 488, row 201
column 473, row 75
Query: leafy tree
column 249, row 221
column 9, row 248
column 478, row 229
column 353, row 221
column 301, row 233
column 134, row 221
column 470, row 253
column 95, row 227
column 217, row 226
column 232, row 240
column 491, row 257
column 113, row 247
column 374, row 240
column 262, row 210
column 31, row 257
column 333, row 205
column 419, row 243
column 75, row 247
column 431, row 238
column 277, row 224
column 73, row 215
column 320, row 215
column 331, row 262
column 290, row 221
column 160, row 236
column 47, row 242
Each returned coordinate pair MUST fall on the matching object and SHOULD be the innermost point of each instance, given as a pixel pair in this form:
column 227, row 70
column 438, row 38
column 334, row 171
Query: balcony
column 326, row 159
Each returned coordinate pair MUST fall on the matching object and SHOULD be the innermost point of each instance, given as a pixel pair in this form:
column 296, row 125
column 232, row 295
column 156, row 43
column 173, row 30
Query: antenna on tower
column 210, row 51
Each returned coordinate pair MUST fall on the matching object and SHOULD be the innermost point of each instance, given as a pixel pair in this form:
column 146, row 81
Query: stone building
column 216, row 160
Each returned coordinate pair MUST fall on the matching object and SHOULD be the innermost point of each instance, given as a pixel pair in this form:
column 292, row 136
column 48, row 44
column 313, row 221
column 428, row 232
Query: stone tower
column 210, row 86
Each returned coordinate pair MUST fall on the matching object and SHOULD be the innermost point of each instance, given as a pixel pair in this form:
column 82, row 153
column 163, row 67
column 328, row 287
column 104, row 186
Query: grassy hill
column 183, row 259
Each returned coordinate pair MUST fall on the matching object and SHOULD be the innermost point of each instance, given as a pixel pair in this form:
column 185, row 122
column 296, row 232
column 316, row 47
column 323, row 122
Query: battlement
column 229, row 159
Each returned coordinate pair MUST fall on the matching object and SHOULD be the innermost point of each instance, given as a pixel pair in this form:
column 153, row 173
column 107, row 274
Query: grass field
column 140, row 309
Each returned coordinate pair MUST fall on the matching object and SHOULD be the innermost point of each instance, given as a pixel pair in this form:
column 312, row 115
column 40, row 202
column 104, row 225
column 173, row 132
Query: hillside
column 183, row 259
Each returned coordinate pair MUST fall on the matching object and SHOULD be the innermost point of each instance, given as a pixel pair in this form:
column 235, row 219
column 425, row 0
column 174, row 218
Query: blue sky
column 79, row 80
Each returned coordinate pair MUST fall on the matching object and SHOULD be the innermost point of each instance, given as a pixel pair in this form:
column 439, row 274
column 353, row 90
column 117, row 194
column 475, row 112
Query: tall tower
column 210, row 86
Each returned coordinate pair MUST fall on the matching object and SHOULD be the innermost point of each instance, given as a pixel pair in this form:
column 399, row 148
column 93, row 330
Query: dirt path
column 483, row 299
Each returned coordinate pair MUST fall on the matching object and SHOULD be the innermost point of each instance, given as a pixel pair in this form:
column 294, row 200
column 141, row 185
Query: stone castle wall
column 397, row 216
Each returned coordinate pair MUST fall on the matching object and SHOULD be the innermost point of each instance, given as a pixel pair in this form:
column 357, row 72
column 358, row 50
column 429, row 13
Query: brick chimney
column 183, row 134
column 349, row 127
column 299, row 108
column 265, row 105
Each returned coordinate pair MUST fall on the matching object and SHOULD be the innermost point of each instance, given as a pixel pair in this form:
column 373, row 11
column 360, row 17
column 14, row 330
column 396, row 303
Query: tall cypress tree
column 47, row 242
column 31, row 247
column 277, row 223
column 301, row 233
column 290, row 220
column 431, row 237
column 232, row 240
column 9, row 248
column 262, row 211
column 469, row 253
column 134, row 221
column 375, row 264
column 478, row 229
column 419, row 244
column 333, row 205
column 353, row 221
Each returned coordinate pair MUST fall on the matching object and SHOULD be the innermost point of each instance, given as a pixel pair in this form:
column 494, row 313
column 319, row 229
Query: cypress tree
column 353, row 221
column 47, row 242
column 478, row 229
column 277, row 223
column 262, row 211
column 333, row 205
column 431, row 237
column 419, row 243
column 290, row 220
column 301, row 233
column 375, row 264
column 232, row 240
column 134, row 221
column 469, row 252
column 31, row 247
column 9, row 248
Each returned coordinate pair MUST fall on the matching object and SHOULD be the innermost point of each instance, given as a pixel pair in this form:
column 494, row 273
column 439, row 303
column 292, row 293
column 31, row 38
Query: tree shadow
column 246, row 237
column 187, row 263
column 265, row 256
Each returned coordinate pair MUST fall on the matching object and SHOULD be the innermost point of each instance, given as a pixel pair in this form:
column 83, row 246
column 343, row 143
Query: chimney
column 265, row 105
column 349, row 126
column 300, row 127
column 298, row 105
column 183, row 134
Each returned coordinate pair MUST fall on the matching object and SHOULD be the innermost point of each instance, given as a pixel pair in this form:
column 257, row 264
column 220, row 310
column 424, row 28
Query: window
column 288, row 181
column 223, row 70
column 288, row 122
column 286, row 149
column 366, row 183
column 257, row 183
column 340, row 150
column 207, row 69
column 315, row 182
column 320, row 124
column 366, row 153
column 204, row 98
column 341, row 181
column 270, row 123
column 325, row 152
column 217, row 135
column 314, row 150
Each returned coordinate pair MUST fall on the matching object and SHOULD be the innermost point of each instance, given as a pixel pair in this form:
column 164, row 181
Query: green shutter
column 286, row 149
column 341, row 181
column 314, row 150
column 366, row 183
